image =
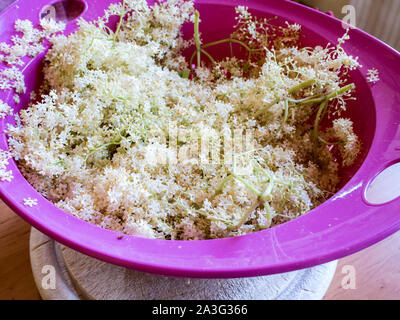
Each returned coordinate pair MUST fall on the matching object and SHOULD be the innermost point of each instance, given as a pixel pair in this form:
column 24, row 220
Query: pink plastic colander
column 340, row 226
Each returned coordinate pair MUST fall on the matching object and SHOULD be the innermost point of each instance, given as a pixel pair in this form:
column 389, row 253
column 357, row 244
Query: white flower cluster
column 29, row 202
column 111, row 97
column 350, row 144
column 5, row 110
column 373, row 75
column 5, row 175
column 29, row 44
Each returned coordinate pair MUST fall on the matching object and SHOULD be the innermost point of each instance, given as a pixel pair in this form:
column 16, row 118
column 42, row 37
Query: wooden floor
column 16, row 280
column 377, row 269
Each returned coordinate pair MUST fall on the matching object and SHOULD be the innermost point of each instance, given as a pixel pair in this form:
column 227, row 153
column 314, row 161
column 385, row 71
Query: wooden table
column 377, row 269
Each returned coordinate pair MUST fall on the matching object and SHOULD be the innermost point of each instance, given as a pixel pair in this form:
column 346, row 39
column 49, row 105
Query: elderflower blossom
column 5, row 175
column 373, row 75
column 350, row 146
column 5, row 110
column 29, row 44
column 30, row 202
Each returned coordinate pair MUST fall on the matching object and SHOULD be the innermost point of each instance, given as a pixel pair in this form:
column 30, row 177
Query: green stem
column 303, row 100
column 246, row 216
column 262, row 198
column 191, row 59
column 303, row 85
column 317, row 121
column 286, row 114
column 120, row 20
column 292, row 90
column 240, row 179
column 117, row 140
column 341, row 91
column 283, row 216
column 221, row 186
column 108, row 31
column 321, row 113
column 196, row 36
column 230, row 40
column 267, row 191
column 97, row 149
column 332, row 95
column 214, row 43
column 208, row 56
column 247, row 184
column 328, row 142
column 226, row 222
column 262, row 170
column 312, row 101
column 274, row 179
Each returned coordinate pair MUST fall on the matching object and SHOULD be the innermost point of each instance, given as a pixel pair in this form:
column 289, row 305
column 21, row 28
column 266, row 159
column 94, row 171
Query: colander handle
column 384, row 187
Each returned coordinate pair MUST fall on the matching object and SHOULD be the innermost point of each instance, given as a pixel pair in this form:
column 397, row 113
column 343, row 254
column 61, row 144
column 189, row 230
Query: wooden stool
column 77, row 276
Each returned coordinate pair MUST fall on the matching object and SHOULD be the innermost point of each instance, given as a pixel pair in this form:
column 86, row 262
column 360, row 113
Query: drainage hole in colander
column 65, row 11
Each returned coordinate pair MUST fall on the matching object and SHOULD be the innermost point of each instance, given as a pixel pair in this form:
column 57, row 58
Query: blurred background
column 380, row 18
